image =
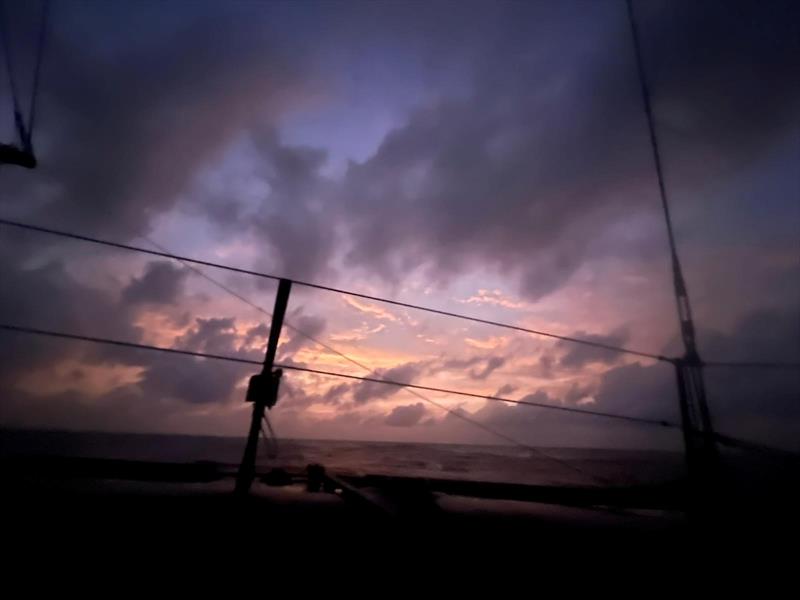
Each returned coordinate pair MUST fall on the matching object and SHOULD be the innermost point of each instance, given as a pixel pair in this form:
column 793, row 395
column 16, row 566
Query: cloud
column 161, row 283
column 505, row 390
column 49, row 297
column 192, row 380
column 493, row 297
column 132, row 118
column 372, row 310
column 290, row 219
column 214, row 335
column 310, row 326
column 528, row 162
column 358, row 334
column 406, row 416
column 259, row 332
column 195, row 380
column 578, row 394
column 531, row 170
column 370, row 391
column 492, row 364
column 298, row 397
column 577, row 356
column 490, row 343
column 462, row 363
column 753, row 404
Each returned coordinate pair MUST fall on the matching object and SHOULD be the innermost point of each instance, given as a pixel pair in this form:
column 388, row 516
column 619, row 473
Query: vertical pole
column 248, row 467
column 687, row 422
column 701, row 457
column 702, row 460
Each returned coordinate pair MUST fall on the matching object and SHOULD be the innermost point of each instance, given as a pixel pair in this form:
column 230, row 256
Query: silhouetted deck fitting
column 12, row 155
column 248, row 361
column 205, row 263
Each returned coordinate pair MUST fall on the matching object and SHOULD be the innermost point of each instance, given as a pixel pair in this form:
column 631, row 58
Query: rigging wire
column 724, row 439
column 270, row 439
column 457, row 414
column 205, row 263
column 9, row 62
column 643, row 420
column 37, row 71
column 25, row 130
column 752, row 365
column 329, row 348
column 250, row 361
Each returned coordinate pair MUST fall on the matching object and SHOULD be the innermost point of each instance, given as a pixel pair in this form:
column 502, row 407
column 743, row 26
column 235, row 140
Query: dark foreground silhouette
column 125, row 504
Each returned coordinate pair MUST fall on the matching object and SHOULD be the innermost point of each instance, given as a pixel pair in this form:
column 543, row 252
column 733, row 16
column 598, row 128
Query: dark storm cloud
column 722, row 70
column 293, row 223
column 637, row 391
column 576, row 392
column 368, row 391
column 200, row 381
column 215, row 335
column 296, row 397
column 763, row 336
column 578, row 355
column 757, row 405
column 135, row 101
column 490, row 364
column 123, row 411
column 461, row 363
column 311, row 327
column 48, row 297
column 520, row 422
column 161, row 283
column 739, row 395
column 505, row 390
column 405, row 416
column 259, row 332
column 753, row 404
column 521, row 172
column 195, row 381
column 134, row 110
column 539, row 426
column 527, row 171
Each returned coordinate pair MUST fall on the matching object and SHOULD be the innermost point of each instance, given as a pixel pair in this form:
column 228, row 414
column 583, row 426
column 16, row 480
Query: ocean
column 546, row 466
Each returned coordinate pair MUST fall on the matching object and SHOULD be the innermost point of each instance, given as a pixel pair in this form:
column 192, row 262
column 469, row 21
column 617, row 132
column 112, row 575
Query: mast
column 701, row 450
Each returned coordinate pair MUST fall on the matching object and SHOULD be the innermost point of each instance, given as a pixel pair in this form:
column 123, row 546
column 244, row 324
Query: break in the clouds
column 436, row 153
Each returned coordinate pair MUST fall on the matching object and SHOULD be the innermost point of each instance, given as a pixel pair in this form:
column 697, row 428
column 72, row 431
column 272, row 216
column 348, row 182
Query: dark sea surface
column 548, row 466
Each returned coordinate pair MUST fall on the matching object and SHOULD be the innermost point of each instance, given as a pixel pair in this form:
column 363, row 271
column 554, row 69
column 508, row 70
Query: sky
column 486, row 158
